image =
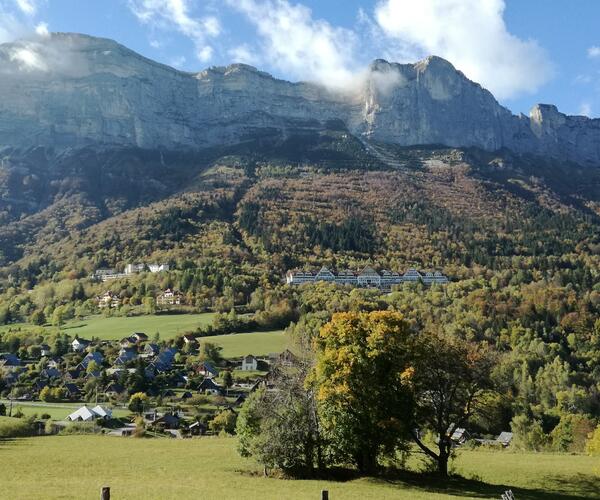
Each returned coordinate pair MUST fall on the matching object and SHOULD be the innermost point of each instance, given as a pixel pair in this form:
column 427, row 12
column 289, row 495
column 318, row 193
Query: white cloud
column 28, row 7
column 585, row 109
column 169, row 14
column 593, row 52
column 472, row 35
column 244, row 54
column 299, row 45
column 42, row 29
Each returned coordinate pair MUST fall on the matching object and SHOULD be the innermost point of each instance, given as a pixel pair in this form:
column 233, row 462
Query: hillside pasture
column 209, row 468
column 115, row 328
column 236, row 345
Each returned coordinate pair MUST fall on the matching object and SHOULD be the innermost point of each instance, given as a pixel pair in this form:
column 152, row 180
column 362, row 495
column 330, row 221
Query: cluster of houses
column 112, row 274
column 168, row 297
column 114, row 361
column 367, row 278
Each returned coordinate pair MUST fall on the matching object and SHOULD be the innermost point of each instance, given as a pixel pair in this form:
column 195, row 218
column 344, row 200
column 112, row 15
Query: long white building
column 367, row 278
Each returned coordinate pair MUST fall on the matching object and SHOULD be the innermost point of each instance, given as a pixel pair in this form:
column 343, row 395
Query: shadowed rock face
column 72, row 90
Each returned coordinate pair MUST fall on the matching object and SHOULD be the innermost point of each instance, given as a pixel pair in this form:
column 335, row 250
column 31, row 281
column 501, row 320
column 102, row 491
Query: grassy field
column 57, row 411
column 209, row 468
column 116, row 328
column 257, row 343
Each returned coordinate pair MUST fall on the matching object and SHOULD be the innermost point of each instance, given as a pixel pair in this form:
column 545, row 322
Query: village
column 179, row 388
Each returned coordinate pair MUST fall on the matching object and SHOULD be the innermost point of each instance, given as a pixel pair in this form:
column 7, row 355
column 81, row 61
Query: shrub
column 80, row 428
column 592, row 445
column 13, row 427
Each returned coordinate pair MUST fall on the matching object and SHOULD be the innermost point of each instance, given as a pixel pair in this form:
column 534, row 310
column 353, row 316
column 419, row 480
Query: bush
column 13, row 427
column 592, row 445
column 80, row 428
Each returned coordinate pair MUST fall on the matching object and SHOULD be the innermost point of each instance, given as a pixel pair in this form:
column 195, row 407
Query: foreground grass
column 209, row 468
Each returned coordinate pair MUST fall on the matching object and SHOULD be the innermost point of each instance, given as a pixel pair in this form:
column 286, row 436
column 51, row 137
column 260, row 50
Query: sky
column 524, row 51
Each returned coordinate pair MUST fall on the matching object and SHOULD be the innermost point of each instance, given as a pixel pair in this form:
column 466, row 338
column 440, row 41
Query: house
column 286, row 358
column 459, row 435
column 169, row 298
column 108, row 300
column 114, row 389
column 80, row 345
column 10, row 361
column 209, row 386
column 206, row 369
column 45, row 350
column 196, row 429
column 85, row 414
column 505, row 438
column 49, row 373
column 190, row 340
column 166, row 421
column 164, row 361
column 72, row 391
column 126, row 355
column 53, row 363
column 186, row 395
column 139, row 337
column 249, row 363
column 140, row 268
column 74, row 373
column 95, row 356
column 150, row 351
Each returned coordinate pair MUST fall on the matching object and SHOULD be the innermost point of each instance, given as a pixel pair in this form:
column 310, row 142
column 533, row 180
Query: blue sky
column 525, row 51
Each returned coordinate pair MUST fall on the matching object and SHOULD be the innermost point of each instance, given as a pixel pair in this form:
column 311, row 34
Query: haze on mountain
column 68, row 90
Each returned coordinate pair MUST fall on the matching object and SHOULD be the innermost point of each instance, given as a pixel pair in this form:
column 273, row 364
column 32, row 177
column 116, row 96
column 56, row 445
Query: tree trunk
column 442, row 463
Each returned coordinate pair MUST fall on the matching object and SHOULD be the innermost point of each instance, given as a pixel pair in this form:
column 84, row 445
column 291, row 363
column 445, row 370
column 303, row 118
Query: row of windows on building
column 368, row 277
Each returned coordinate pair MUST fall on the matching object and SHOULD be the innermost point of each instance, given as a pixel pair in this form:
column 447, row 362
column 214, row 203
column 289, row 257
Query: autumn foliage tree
column 451, row 384
column 363, row 373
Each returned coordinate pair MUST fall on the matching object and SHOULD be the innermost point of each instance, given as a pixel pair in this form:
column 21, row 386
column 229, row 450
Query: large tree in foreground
column 363, row 373
column 451, row 384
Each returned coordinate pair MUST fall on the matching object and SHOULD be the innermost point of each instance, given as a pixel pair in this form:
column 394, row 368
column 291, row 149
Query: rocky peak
column 67, row 89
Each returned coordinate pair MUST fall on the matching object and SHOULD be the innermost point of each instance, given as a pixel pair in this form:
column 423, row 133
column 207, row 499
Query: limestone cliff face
column 71, row 90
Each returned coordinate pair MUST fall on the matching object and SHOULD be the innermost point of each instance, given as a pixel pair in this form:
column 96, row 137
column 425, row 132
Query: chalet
column 80, row 345
column 50, row 373
column 459, row 435
column 126, row 355
column 9, row 361
column 249, row 363
column 164, row 360
column 169, row 298
column 196, row 429
column 209, row 386
column 45, row 350
column 114, row 389
column 190, row 340
column 286, row 358
column 72, row 391
column 96, row 357
column 166, row 421
column 74, row 373
column 206, row 369
column 53, row 363
column 108, row 300
column 139, row 337
column 150, row 350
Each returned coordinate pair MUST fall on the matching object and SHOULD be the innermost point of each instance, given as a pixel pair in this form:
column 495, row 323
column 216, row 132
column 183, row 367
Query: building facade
column 367, row 278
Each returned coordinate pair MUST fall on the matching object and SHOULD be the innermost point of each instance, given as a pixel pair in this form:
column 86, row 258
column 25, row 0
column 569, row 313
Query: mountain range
column 108, row 157
column 70, row 90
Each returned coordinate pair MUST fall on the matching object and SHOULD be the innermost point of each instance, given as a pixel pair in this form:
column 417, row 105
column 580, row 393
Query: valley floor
column 209, row 468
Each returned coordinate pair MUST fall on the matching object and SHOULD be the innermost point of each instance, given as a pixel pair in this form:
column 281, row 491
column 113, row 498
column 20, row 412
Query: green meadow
column 209, row 468
column 258, row 343
column 115, row 328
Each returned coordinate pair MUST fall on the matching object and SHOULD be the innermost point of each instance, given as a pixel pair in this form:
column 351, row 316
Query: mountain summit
column 69, row 90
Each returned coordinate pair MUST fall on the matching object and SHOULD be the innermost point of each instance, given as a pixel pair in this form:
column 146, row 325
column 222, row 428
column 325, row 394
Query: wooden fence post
column 324, row 495
column 105, row 494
